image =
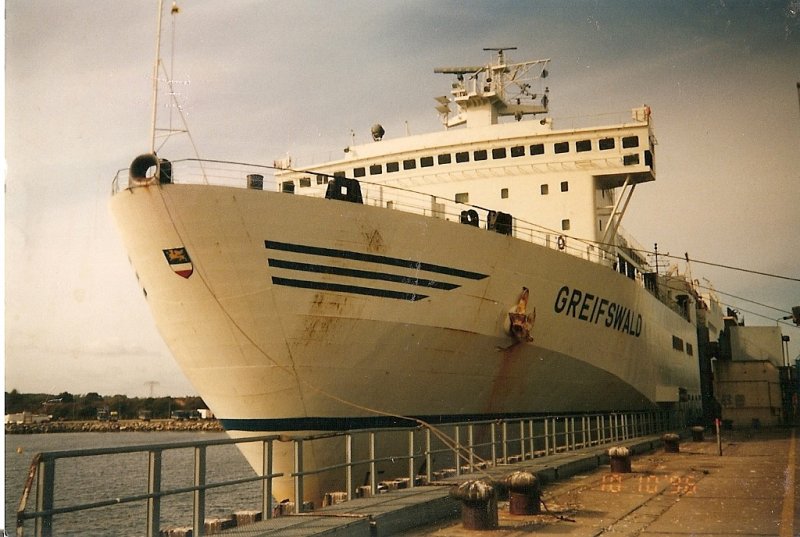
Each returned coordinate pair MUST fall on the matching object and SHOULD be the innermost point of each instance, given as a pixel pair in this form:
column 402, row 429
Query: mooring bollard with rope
column 478, row 504
column 524, row 493
column 671, row 443
column 620, row 459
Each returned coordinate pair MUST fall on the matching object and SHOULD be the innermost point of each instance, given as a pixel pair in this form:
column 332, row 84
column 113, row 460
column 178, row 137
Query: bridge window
column 630, row 160
column 561, row 147
column 518, row 151
column 463, row 156
column 564, row 186
column 504, row 193
column 445, row 158
column 677, row 343
column 305, row 181
column 499, row 152
column 537, row 149
column 630, row 141
column 462, row 197
column 426, row 162
column 606, row 143
column 583, row 145
column 689, row 349
column 375, row 169
column 392, row 167
column 480, row 154
column 565, row 224
column 409, row 164
column 545, row 190
column 322, row 179
column 359, row 172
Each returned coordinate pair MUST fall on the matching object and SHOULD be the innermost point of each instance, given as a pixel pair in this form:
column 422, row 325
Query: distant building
column 747, row 375
column 26, row 417
column 756, row 343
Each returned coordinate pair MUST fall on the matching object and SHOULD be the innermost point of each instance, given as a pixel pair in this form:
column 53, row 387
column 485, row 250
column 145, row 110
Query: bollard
column 332, row 498
column 671, row 443
column 478, row 505
column 620, row 458
column 246, row 517
column 286, row 507
column 523, row 493
column 697, row 433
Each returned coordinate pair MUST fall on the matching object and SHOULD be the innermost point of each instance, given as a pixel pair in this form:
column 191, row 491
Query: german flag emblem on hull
column 179, row 261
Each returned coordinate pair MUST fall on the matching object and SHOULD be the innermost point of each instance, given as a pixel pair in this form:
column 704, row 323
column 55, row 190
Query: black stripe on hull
column 343, row 288
column 364, row 274
column 372, row 258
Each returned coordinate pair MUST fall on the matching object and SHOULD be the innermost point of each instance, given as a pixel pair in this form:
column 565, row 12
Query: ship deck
column 750, row 489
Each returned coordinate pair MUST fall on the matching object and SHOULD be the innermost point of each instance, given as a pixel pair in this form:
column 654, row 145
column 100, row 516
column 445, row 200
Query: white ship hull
column 306, row 314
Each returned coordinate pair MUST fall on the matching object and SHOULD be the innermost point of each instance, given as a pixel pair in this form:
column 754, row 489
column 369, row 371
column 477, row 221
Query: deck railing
column 506, row 442
column 239, row 175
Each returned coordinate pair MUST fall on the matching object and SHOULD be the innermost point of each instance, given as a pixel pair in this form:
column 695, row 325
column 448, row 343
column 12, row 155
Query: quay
column 750, row 489
column 96, row 426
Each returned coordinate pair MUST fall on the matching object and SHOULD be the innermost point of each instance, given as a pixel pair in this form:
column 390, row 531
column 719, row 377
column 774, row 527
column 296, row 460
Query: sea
column 102, row 477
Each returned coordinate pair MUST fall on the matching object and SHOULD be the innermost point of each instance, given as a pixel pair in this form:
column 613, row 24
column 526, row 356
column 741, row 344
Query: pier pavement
column 751, row 489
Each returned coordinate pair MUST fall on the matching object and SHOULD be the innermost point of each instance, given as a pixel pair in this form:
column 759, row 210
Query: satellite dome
column 377, row 132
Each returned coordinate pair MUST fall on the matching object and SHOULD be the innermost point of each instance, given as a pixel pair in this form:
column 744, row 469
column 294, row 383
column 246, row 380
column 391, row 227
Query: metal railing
column 454, row 448
column 235, row 175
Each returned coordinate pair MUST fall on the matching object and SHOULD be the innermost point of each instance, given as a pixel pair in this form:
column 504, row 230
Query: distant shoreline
column 95, row 426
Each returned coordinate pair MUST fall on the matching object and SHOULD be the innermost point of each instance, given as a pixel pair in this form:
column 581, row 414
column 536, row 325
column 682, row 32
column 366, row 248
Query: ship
column 477, row 272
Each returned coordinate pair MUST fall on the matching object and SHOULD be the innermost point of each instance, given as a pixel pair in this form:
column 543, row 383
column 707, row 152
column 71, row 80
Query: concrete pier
column 751, row 489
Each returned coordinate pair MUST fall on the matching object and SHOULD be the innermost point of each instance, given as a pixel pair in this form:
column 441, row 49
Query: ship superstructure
column 473, row 273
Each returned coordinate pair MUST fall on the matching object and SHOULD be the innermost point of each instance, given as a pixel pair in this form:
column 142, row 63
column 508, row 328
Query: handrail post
column 504, row 431
column 546, row 438
column 428, row 455
column 44, row 497
column 572, row 433
column 199, row 512
column 471, row 441
column 522, row 438
column 348, row 469
column 266, row 484
column 584, row 421
column 298, row 477
column 411, row 472
column 532, row 444
column 456, row 448
column 153, row 489
column 373, row 467
column 494, row 443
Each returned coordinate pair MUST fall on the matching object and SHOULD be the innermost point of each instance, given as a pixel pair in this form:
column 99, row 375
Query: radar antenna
column 494, row 90
column 500, row 52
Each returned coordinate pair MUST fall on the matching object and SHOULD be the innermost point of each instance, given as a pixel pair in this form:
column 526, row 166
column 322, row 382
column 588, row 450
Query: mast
column 155, row 78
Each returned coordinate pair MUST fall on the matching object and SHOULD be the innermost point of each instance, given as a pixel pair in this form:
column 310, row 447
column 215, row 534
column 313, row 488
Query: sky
column 259, row 80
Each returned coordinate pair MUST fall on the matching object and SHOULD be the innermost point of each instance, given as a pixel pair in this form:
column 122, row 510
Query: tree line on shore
column 67, row 406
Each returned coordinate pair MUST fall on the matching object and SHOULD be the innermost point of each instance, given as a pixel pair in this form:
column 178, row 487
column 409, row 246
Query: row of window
column 544, row 188
column 497, row 153
column 677, row 344
column 478, row 155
